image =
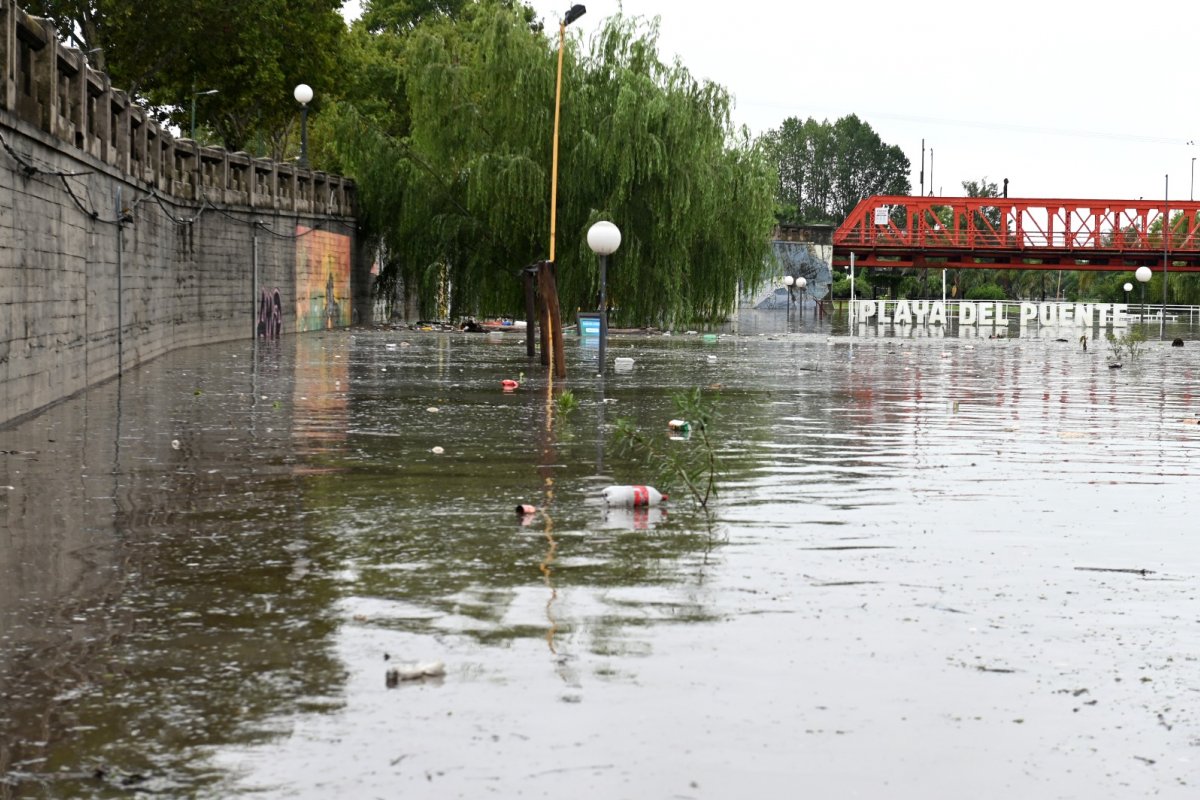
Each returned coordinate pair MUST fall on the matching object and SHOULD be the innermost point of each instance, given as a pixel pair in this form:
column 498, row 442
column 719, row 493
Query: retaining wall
column 119, row 242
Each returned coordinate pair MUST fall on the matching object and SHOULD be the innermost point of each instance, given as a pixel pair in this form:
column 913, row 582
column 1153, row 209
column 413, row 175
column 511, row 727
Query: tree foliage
column 826, row 169
column 253, row 54
column 460, row 186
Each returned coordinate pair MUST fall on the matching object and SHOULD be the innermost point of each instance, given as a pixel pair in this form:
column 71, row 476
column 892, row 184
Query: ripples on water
column 209, row 562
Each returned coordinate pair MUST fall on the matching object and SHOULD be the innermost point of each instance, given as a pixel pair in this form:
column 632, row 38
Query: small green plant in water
column 565, row 403
column 692, row 463
column 1127, row 347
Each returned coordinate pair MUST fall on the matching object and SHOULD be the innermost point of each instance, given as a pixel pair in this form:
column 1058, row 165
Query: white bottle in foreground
column 632, row 496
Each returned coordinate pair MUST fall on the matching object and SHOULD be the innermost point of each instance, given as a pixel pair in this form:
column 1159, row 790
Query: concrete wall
column 800, row 251
column 119, row 243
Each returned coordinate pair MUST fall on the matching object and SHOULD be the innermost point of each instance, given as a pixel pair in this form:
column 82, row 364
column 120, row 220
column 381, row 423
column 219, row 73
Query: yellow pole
column 562, row 35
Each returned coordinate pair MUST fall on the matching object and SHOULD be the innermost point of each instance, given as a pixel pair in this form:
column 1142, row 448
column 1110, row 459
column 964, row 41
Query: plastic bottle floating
column 623, row 364
column 679, row 425
column 632, row 496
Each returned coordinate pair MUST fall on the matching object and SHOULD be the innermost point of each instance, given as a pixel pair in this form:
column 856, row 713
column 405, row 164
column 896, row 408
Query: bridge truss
column 1013, row 233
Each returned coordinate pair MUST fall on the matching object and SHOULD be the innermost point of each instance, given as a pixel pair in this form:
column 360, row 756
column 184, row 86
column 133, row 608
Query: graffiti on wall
column 322, row 279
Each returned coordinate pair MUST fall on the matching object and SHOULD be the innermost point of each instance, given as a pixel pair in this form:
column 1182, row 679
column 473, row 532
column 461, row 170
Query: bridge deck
column 1014, row 233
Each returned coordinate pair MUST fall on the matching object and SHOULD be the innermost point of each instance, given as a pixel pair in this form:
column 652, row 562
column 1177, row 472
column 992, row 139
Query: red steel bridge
column 1012, row 233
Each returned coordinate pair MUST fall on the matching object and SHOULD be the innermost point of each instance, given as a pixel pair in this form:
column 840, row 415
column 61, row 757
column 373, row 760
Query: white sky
column 1066, row 99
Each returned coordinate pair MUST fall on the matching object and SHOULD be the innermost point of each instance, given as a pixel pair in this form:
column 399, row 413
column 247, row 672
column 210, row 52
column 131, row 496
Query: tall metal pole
column 562, row 35
column 922, row 168
column 1166, row 227
column 120, row 287
column 603, row 310
column 195, row 94
column 574, row 13
column 304, row 135
column 254, row 290
column 852, row 294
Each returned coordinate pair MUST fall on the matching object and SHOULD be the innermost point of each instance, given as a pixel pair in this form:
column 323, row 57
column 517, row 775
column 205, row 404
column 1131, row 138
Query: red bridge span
column 898, row 231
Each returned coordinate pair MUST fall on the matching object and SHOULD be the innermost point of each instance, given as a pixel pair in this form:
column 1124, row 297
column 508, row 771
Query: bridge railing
column 984, row 224
column 52, row 87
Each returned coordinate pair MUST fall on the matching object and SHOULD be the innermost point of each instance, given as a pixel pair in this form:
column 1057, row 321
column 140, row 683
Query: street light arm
column 573, row 13
column 192, row 130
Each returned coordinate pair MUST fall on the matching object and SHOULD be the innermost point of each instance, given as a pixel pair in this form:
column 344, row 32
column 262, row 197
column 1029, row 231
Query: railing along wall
column 52, row 87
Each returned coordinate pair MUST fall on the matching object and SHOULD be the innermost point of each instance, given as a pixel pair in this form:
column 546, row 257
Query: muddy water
column 936, row 568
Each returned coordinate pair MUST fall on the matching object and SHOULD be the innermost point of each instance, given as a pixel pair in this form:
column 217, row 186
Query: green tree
column 253, row 54
column 459, row 192
column 826, row 169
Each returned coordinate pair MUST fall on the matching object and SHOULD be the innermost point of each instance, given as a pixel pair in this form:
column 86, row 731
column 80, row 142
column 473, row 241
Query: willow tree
column 653, row 149
column 463, row 192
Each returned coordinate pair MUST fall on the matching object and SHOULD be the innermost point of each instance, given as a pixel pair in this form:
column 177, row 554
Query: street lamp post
column 802, row 282
column 192, row 132
column 550, row 338
column 788, row 281
column 604, row 238
column 1166, row 229
column 1128, row 287
column 1143, row 277
column 304, row 95
column 574, row 13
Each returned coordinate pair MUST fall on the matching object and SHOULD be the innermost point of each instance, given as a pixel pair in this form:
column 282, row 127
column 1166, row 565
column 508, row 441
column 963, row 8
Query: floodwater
column 936, row 568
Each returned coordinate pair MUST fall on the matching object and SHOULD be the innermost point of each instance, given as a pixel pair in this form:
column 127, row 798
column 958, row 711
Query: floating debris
column 633, row 496
column 415, row 671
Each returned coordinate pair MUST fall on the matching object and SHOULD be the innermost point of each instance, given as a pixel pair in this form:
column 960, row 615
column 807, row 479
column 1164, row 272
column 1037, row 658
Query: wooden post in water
column 543, row 313
column 551, row 317
column 530, row 310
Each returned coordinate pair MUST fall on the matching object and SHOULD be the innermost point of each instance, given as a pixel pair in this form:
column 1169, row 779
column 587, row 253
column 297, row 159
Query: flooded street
column 936, row 568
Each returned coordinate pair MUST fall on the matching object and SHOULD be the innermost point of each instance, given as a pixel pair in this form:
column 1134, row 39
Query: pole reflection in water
column 549, row 459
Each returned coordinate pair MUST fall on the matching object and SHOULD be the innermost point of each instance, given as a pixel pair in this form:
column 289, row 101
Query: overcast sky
column 1094, row 100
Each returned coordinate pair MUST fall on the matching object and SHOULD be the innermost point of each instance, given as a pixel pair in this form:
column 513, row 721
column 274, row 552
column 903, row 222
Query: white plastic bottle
column 632, row 496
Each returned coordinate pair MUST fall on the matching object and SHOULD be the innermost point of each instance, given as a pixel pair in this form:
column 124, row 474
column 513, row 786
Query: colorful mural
column 322, row 279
